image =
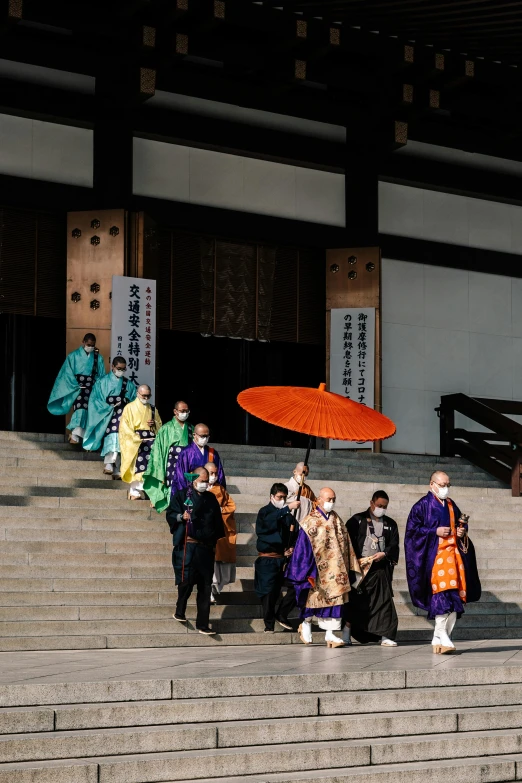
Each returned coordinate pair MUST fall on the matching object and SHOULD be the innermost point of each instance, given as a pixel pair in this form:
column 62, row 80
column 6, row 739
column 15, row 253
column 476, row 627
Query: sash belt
column 269, row 554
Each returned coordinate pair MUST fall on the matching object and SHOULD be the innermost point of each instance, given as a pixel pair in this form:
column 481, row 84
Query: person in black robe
column 273, row 537
column 371, row 612
column 196, row 524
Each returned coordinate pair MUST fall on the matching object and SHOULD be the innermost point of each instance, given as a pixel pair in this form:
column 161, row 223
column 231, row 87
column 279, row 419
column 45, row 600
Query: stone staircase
column 81, row 567
column 370, row 726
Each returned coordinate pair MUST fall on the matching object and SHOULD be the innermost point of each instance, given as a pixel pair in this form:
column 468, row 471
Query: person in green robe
column 73, row 385
column 170, row 440
column 110, row 395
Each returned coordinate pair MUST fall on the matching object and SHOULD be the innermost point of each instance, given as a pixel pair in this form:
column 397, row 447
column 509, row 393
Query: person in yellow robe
column 225, row 565
column 139, row 424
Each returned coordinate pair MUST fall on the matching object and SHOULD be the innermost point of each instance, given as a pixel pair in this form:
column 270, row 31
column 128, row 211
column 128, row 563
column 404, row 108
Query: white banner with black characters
column 352, row 360
column 134, row 328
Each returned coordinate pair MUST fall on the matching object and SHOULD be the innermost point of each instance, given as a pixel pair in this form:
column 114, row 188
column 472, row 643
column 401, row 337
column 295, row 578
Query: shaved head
column 202, row 475
column 201, row 429
column 326, row 495
column 439, row 477
column 143, row 389
column 210, row 467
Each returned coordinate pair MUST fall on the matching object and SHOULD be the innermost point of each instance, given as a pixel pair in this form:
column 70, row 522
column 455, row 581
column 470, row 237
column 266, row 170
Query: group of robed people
column 340, row 575
column 160, row 463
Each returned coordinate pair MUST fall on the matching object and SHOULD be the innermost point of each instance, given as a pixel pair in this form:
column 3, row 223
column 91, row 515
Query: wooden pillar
column 100, row 244
column 364, row 290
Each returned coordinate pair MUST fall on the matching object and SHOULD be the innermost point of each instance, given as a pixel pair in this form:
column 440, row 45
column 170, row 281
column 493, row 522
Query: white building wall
column 446, row 330
column 45, row 151
column 216, row 179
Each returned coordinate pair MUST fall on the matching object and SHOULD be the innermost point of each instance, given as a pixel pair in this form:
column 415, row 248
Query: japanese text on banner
column 134, row 327
column 352, row 356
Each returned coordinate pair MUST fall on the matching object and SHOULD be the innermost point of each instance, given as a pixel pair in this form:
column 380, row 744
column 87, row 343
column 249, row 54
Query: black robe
column 273, row 534
column 206, row 526
column 371, row 611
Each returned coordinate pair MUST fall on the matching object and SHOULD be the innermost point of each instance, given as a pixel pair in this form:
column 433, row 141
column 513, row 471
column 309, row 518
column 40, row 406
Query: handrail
column 498, row 451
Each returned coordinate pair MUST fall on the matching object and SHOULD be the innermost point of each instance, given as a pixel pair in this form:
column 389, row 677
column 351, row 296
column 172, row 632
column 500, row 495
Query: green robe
column 173, row 433
column 67, row 388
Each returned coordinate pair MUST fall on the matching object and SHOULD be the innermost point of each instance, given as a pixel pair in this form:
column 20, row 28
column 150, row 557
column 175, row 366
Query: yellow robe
column 134, row 417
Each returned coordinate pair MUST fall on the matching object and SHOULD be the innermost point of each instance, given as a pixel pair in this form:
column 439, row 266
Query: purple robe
column 421, row 544
column 191, row 458
column 300, row 566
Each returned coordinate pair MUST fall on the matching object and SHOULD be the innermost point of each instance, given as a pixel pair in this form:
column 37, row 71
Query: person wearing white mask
column 194, row 518
column 322, row 561
column 74, row 384
column 273, row 538
column 167, row 446
column 307, row 499
column 139, row 424
column 441, row 567
column 196, row 455
column 371, row 615
column 109, row 396
column 225, row 567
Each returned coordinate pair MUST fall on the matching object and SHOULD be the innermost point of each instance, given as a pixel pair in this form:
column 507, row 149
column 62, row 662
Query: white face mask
column 277, row 503
column 182, row 416
column 143, row 402
column 202, row 486
column 378, row 512
column 328, row 506
column 118, row 373
column 298, row 477
column 201, row 441
column 212, row 478
column 88, row 348
column 441, row 492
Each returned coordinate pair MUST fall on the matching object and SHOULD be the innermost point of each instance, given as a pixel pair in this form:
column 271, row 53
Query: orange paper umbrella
column 316, row 412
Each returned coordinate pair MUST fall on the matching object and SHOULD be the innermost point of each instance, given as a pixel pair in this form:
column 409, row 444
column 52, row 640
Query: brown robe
column 226, row 547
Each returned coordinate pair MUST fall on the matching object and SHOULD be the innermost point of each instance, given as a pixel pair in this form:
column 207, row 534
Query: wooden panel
column 89, row 263
column 363, row 291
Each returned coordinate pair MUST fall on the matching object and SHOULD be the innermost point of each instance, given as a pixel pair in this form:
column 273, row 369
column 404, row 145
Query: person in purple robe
column 441, row 566
column 196, row 455
column 319, row 570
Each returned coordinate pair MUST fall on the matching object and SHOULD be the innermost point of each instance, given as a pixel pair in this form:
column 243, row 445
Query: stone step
column 227, row 638
column 295, row 757
column 468, row 770
column 225, row 611
column 238, row 733
column 502, row 701
column 49, row 534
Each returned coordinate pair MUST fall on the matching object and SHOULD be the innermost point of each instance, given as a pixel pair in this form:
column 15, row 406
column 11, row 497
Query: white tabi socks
column 441, row 642
column 332, row 640
column 450, row 624
column 305, row 631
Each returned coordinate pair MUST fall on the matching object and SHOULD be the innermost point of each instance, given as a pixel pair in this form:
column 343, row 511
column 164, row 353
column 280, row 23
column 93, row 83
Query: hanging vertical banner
column 352, row 359
column 134, row 328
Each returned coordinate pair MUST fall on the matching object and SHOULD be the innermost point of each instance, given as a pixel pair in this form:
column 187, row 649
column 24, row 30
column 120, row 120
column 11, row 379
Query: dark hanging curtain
column 240, row 290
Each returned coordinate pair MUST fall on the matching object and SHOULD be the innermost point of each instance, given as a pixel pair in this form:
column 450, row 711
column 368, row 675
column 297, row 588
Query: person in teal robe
column 73, row 385
column 170, row 440
column 110, row 395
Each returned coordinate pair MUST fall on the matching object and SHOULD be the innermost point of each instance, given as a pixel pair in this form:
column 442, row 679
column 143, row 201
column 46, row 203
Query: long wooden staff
column 294, row 524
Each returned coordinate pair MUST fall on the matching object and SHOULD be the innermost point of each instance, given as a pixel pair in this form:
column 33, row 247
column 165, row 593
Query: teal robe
column 100, row 411
column 67, row 388
column 173, row 433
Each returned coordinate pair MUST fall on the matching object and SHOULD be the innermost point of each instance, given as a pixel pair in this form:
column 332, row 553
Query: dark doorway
column 33, row 354
column 209, row 373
